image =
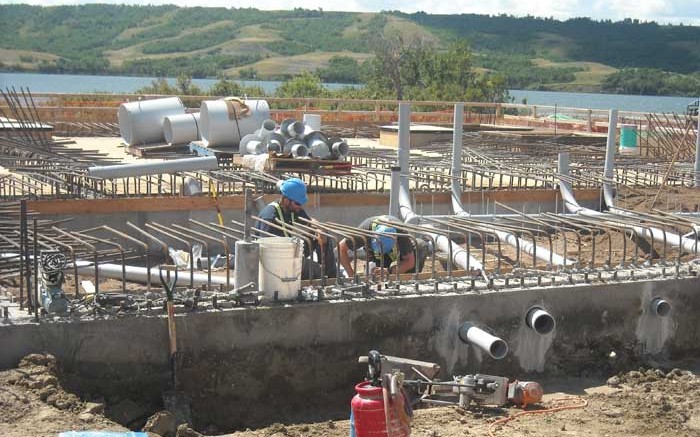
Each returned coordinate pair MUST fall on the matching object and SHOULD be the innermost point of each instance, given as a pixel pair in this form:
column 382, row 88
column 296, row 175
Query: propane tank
column 368, row 410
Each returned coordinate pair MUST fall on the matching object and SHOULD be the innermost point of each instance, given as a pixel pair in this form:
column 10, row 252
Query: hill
column 542, row 53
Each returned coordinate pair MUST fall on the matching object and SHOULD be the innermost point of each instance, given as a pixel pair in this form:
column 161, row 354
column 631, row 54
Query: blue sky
column 661, row 11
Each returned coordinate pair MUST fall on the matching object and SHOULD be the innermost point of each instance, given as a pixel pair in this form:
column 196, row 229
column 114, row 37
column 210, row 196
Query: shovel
column 174, row 400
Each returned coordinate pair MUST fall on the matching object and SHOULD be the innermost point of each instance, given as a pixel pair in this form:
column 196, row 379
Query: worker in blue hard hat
column 288, row 209
column 393, row 252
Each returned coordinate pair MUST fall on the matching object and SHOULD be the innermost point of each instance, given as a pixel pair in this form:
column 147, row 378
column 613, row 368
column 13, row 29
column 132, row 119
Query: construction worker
column 288, row 209
column 394, row 253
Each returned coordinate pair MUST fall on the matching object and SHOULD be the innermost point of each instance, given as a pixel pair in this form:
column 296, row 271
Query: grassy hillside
column 204, row 42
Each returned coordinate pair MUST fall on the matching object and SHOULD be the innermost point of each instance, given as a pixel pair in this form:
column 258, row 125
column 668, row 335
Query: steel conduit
column 460, row 257
column 658, row 235
column 512, row 240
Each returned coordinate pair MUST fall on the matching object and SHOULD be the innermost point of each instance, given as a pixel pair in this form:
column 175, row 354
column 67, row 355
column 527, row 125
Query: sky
column 661, row 11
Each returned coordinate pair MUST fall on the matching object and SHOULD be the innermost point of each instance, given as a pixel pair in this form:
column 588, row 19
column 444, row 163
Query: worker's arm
column 406, row 263
column 344, row 256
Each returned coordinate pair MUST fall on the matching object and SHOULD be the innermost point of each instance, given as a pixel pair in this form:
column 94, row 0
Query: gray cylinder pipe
column 456, row 169
column 137, row 274
column 394, row 193
column 172, row 166
column 295, row 148
column 460, row 256
column 318, row 145
column 339, row 149
column 275, row 142
column 494, row 346
column 675, row 240
column 247, row 263
column 660, row 307
column 510, row 239
column 697, row 151
column 540, row 320
column 609, row 169
column 405, row 207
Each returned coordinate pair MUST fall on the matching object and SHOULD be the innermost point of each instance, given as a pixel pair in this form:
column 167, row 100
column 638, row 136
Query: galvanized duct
column 142, row 122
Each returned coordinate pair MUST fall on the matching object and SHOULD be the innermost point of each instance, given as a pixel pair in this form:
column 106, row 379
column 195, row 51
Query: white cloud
column 662, row 11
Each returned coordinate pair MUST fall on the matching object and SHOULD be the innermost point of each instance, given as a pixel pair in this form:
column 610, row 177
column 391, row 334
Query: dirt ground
column 656, row 401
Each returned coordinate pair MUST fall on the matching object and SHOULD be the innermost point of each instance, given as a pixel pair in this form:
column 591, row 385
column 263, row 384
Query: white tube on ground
column 141, row 122
column 140, row 169
column 492, row 345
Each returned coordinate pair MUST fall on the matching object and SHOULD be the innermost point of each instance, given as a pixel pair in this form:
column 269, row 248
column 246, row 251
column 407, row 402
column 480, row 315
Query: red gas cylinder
column 368, row 413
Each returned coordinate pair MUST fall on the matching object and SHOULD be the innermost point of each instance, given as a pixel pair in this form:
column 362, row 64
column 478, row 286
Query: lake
column 71, row 83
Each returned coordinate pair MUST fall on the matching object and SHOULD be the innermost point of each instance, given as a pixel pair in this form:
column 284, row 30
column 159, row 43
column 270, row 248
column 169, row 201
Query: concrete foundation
column 300, row 360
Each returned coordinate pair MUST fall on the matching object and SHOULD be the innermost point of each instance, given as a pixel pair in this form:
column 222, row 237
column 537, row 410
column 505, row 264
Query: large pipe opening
column 540, row 321
column 660, row 307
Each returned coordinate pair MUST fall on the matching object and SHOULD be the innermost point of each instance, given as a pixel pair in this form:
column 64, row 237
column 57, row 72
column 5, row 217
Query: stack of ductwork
column 292, row 138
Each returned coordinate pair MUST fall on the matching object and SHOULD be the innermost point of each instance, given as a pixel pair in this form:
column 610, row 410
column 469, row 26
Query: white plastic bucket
column 142, row 122
column 280, row 267
column 220, row 128
column 181, row 129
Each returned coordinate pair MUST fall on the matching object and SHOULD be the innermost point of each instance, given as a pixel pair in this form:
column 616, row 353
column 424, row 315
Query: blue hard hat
column 294, row 189
column 387, row 243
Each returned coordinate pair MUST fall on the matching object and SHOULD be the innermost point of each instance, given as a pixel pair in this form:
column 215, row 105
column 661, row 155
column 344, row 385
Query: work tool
column 174, row 400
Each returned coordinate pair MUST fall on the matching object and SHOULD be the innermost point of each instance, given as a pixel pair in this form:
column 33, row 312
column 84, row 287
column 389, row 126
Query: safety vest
column 393, row 255
column 280, row 217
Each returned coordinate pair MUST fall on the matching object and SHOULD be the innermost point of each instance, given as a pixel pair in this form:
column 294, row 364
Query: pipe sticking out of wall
column 540, row 321
column 660, row 307
column 492, row 345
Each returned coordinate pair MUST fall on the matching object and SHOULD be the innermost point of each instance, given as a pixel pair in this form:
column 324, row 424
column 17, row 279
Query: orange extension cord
column 582, row 403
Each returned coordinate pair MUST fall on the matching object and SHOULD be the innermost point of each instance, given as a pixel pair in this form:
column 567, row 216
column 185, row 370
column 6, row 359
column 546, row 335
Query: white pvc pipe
column 405, row 206
column 141, row 122
column 221, row 127
column 181, row 129
column 494, row 346
column 460, row 256
column 510, row 239
column 610, row 150
column 140, row 169
column 697, row 151
column 675, row 240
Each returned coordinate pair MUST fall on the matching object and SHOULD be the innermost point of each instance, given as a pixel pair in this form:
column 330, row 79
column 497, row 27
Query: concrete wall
column 303, row 357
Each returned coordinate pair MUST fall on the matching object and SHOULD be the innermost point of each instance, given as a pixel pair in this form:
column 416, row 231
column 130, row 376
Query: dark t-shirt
column 269, row 213
column 405, row 244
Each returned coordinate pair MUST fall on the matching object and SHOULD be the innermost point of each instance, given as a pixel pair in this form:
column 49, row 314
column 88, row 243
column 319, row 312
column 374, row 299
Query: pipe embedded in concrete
column 540, row 320
column 495, row 347
column 660, row 307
